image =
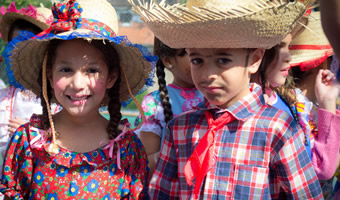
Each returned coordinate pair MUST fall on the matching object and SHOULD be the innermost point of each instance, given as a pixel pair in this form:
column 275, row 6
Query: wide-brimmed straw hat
column 40, row 17
column 221, row 23
column 311, row 47
column 90, row 20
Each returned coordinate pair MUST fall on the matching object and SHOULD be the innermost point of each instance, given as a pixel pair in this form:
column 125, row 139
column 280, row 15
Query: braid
column 45, row 123
column 163, row 91
column 114, row 110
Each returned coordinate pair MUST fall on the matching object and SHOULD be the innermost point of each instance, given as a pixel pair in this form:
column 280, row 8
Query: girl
column 77, row 153
column 16, row 103
column 318, row 87
column 169, row 101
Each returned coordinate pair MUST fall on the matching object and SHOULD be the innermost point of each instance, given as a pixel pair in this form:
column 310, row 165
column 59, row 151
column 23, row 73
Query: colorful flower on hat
column 67, row 16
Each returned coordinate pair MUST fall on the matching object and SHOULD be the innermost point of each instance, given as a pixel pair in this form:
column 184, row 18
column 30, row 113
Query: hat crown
column 221, row 4
column 99, row 10
column 44, row 15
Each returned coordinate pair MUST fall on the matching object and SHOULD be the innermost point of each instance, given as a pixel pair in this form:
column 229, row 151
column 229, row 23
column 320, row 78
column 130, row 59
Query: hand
column 326, row 90
column 14, row 124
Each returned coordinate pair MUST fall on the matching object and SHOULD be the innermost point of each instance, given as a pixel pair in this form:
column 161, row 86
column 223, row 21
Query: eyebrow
column 217, row 54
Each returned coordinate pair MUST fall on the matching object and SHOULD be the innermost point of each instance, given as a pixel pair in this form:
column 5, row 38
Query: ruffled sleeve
column 154, row 114
column 18, row 165
column 326, row 145
column 134, row 162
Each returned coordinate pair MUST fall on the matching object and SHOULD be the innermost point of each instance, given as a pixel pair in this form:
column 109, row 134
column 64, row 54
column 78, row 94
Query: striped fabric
column 260, row 155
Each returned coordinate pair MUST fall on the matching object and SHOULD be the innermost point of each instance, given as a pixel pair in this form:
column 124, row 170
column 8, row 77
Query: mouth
column 78, row 99
column 211, row 89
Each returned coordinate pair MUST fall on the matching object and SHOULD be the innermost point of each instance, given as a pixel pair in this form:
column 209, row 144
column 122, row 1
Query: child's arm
column 330, row 18
column 326, row 146
column 294, row 171
column 164, row 182
column 18, row 166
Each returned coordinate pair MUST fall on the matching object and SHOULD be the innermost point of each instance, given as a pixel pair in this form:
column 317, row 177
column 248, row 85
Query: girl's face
column 80, row 77
column 181, row 70
column 277, row 73
column 223, row 75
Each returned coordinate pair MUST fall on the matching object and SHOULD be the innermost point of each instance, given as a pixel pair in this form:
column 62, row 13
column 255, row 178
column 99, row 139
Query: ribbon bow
column 41, row 139
column 111, row 144
column 67, row 16
column 200, row 162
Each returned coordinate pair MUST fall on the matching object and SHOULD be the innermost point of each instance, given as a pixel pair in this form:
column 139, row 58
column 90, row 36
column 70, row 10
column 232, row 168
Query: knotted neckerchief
column 67, row 17
column 200, row 162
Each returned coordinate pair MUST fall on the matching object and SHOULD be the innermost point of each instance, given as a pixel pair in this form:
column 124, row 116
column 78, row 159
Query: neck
column 182, row 84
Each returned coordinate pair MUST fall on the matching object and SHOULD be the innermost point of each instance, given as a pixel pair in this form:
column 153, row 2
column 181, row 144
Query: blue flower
column 85, row 170
column 53, row 166
column 38, row 177
column 7, row 168
column 95, row 154
column 106, row 197
column 74, row 189
column 125, row 192
column 113, row 169
column 53, row 196
column 62, row 171
column 67, row 155
column 92, row 185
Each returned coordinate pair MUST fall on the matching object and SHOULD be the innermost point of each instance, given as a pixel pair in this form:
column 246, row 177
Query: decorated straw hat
column 40, row 17
column 311, row 47
column 91, row 20
column 221, row 23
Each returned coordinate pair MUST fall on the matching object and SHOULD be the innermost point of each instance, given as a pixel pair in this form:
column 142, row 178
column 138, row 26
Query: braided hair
column 111, row 59
column 164, row 51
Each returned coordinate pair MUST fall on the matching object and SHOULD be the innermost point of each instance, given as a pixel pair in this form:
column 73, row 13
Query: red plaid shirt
column 260, row 155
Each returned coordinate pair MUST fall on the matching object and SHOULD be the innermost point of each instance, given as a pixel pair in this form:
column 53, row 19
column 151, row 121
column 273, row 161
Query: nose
column 208, row 73
column 288, row 57
column 78, row 80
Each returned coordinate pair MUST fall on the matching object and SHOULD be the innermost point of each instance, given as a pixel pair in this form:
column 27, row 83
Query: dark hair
column 111, row 59
column 23, row 25
column 163, row 51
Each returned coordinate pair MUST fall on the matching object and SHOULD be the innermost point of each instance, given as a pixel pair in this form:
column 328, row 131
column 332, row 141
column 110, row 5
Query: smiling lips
column 78, row 100
column 285, row 71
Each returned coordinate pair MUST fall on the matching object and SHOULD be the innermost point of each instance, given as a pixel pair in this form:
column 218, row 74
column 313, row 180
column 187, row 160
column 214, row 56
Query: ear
column 167, row 62
column 112, row 80
column 255, row 59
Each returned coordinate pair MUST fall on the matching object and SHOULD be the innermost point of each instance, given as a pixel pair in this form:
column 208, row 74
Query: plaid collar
column 243, row 109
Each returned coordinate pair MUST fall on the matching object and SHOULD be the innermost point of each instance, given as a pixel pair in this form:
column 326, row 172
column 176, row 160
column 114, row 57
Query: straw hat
column 311, row 47
column 41, row 17
column 91, row 20
column 221, row 23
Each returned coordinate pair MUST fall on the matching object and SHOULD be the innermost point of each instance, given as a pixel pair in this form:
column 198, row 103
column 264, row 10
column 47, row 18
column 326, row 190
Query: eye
column 92, row 71
column 196, row 61
column 66, row 69
column 223, row 61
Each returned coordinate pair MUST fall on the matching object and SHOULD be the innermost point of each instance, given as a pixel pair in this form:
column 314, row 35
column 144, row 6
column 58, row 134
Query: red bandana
column 200, row 162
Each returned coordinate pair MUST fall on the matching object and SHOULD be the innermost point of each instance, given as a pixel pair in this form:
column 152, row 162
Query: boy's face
column 223, row 75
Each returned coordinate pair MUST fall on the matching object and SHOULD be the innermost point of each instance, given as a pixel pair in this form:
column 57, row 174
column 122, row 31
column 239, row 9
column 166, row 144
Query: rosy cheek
column 59, row 84
column 98, row 85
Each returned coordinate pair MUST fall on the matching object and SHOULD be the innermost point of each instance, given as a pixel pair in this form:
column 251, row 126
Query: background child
column 16, row 103
column 77, row 153
column 316, row 99
column 169, row 101
column 233, row 146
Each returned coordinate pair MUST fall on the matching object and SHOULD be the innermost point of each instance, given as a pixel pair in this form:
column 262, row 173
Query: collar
column 243, row 109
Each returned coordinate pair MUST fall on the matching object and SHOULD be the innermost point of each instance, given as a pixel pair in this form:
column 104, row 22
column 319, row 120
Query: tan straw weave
column 221, row 23
column 311, row 47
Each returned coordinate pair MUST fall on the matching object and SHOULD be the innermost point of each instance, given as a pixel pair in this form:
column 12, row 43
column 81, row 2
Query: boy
column 232, row 146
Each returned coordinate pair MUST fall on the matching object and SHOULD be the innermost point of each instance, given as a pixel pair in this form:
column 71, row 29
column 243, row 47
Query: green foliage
column 24, row 3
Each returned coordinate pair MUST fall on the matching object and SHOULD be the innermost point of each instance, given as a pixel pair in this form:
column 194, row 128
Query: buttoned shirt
column 260, row 155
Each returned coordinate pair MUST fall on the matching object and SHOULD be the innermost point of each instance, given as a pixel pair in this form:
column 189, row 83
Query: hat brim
column 27, row 61
column 180, row 27
column 10, row 17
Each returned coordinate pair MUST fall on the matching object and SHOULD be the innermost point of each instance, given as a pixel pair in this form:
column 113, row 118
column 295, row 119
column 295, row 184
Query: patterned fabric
column 32, row 173
column 67, row 16
column 258, row 156
column 15, row 102
column 181, row 100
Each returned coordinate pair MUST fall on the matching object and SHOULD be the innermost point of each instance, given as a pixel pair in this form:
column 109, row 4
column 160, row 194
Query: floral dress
column 181, row 100
column 30, row 172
